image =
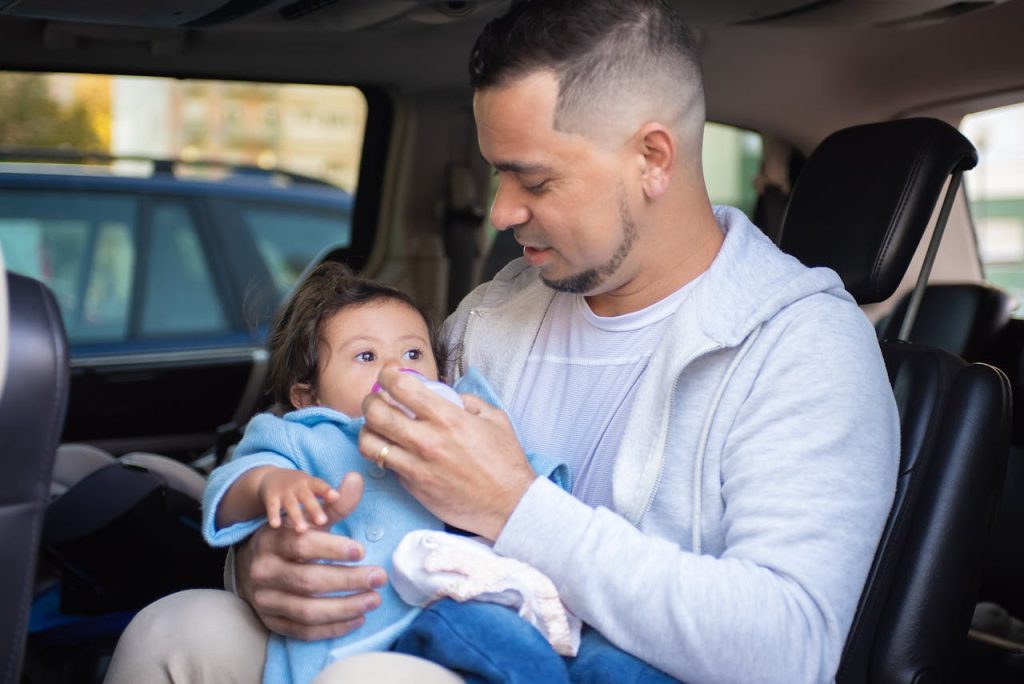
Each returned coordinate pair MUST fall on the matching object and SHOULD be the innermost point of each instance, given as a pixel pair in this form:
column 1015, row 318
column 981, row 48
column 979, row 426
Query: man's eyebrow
column 519, row 167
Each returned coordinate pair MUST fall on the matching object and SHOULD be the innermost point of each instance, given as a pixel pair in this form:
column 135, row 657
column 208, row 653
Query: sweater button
column 377, row 472
column 374, row 533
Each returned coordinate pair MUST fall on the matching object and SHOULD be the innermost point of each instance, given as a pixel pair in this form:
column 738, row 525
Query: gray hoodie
column 753, row 479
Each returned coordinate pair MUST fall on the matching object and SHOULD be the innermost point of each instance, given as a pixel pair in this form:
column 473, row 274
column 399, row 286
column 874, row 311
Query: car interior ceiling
column 839, row 70
column 796, row 70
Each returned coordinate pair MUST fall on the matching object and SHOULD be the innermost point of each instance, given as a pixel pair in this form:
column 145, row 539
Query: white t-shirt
column 579, row 382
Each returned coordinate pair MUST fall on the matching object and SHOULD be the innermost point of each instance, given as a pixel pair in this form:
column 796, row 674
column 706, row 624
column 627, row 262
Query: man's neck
column 669, row 265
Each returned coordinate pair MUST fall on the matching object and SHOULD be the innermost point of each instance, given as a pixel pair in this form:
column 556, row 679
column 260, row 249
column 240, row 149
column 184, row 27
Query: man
column 725, row 411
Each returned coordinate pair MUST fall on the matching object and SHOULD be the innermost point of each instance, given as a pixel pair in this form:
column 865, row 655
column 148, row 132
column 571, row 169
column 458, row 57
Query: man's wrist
column 547, row 524
column 515, row 494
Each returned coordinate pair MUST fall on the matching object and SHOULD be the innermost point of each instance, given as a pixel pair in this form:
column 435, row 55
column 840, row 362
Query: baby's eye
column 366, row 357
column 413, row 355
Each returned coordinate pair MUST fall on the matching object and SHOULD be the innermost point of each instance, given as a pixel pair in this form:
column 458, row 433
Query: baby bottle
column 438, row 388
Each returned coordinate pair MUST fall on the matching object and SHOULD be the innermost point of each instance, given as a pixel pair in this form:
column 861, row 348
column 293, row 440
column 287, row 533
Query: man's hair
column 606, row 54
column 297, row 336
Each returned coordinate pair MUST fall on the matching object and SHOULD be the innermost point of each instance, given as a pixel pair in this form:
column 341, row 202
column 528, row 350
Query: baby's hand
column 298, row 494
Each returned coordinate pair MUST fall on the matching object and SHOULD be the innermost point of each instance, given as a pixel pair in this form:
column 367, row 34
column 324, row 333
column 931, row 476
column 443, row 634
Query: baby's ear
column 302, row 396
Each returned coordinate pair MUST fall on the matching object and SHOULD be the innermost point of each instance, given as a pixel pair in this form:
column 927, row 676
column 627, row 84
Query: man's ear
column 657, row 146
column 302, row 396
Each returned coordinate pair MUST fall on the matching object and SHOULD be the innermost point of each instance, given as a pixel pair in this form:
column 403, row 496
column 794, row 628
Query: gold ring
column 381, row 455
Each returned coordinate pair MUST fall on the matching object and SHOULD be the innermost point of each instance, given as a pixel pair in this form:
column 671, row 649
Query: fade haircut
column 297, row 336
column 611, row 58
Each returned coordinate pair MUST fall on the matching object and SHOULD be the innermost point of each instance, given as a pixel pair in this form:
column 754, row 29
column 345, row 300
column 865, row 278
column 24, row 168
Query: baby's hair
column 296, row 338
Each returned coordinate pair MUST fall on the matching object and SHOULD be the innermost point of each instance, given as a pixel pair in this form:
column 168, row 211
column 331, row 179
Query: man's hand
column 465, row 466
column 277, row 573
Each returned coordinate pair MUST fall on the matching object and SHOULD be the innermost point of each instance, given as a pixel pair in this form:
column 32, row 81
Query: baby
column 326, row 350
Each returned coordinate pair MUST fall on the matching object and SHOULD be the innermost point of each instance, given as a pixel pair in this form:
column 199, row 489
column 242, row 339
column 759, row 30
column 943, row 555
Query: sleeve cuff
column 544, row 513
column 220, row 481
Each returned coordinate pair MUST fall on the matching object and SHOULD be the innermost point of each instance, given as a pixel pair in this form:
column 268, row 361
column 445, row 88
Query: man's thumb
column 351, row 490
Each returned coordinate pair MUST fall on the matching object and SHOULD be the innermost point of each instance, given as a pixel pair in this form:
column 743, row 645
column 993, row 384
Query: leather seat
column 973, row 321
column 32, row 409
column 1002, row 580
column 963, row 318
column 860, row 206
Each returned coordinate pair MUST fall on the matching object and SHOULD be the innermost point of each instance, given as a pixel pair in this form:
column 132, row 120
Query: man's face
column 562, row 194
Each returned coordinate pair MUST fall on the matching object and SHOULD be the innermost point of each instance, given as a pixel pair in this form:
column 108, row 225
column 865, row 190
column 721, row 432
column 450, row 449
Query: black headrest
column 864, row 198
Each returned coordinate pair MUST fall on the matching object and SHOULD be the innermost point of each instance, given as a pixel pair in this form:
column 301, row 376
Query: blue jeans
column 488, row 643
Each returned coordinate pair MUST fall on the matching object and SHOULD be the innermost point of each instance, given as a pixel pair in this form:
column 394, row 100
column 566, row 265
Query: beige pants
column 209, row 636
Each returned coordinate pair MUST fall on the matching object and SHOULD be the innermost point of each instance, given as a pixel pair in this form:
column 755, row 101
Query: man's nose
column 508, row 210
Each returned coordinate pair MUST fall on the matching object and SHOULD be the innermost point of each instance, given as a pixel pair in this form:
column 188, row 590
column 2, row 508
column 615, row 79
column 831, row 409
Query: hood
column 314, row 415
column 752, row 280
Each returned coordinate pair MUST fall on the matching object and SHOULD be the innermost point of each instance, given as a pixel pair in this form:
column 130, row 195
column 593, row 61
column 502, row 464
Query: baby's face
column 360, row 340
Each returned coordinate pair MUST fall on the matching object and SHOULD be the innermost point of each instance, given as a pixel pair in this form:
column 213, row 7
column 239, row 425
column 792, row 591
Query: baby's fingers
column 293, row 510
column 273, row 504
column 314, row 510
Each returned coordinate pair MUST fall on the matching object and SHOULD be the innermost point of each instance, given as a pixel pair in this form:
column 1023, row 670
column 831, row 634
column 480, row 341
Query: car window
column 82, row 247
column 180, row 296
column 995, row 190
column 288, row 239
column 108, row 288
column 154, row 207
column 731, row 158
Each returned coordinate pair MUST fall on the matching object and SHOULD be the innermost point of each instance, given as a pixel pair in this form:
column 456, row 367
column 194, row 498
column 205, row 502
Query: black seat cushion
column 954, row 427
column 963, row 318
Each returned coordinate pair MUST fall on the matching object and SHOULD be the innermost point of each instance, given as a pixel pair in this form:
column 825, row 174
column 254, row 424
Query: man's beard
column 592, row 278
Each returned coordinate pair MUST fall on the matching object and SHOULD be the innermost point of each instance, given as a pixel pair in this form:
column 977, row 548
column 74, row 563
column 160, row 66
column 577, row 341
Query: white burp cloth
column 429, row 565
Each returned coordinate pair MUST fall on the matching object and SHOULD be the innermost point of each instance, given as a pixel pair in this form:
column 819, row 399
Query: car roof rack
column 160, row 166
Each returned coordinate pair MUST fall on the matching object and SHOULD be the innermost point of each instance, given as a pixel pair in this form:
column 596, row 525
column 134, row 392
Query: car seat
column 861, row 206
column 963, row 318
column 119, row 533
column 1003, row 578
column 973, row 320
column 32, row 409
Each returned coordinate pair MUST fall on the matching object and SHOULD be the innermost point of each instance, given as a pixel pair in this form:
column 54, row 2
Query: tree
column 31, row 118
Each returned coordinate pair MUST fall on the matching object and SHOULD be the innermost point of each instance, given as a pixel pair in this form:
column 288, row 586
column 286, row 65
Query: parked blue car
column 167, row 275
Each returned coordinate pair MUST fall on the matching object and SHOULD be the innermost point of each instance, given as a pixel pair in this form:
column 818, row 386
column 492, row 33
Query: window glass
column 108, row 290
column 82, row 247
column 731, row 158
column 995, row 189
column 80, row 152
column 289, row 239
column 180, row 293
column 313, row 130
